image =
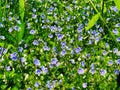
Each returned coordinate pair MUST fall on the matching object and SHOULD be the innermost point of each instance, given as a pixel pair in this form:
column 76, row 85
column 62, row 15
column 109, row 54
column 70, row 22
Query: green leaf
column 0, row 10
column 22, row 9
column 93, row 21
column 21, row 32
column 117, row 3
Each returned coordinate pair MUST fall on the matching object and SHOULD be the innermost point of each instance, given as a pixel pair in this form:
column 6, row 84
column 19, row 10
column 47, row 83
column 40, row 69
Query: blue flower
column 59, row 28
column 38, row 72
column 36, row 62
column 103, row 72
column 117, row 61
column 92, row 71
column 8, row 68
column 115, row 50
column 83, row 63
column 35, row 42
column 72, row 61
column 14, row 56
column 104, row 52
column 81, row 71
column 110, row 62
column 80, row 38
column 116, row 72
column 115, row 31
column 117, row 25
column 46, row 48
column 50, row 35
column 20, row 49
column 36, row 84
column 63, row 52
column 63, row 44
column 32, row 31
column 60, row 36
column 84, row 85
column 78, row 49
column 44, row 70
column 118, row 39
column 54, row 61
column 22, row 59
column 29, row 88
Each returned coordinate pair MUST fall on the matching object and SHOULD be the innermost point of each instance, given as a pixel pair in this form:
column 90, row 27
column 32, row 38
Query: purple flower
column 22, row 59
column 92, row 71
column 2, row 37
column 118, row 39
column 84, row 85
column 38, row 72
column 115, row 50
column 115, row 31
column 114, row 9
column 72, row 61
column 59, row 28
column 29, row 88
column 81, row 71
column 32, row 31
column 92, row 66
column 106, row 45
column 103, row 72
column 43, row 16
column 36, row 84
column 50, row 35
column 8, row 68
column 63, row 52
column 46, row 48
column 117, row 25
column 110, row 62
column 60, row 36
column 78, row 49
column 63, row 44
column 79, row 30
column 54, row 61
column 44, row 69
column 36, row 62
column 14, row 56
column 83, row 63
column 100, row 29
column 117, row 61
column 116, row 72
column 20, row 49
column 80, row 38
column 35, row 42
column 104, row 52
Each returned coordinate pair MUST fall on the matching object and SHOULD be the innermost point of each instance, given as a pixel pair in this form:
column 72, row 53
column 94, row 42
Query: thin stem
column 103, row 13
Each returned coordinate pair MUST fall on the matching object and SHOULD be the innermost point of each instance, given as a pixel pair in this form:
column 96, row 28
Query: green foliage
column 117, row 3
column 92, row 21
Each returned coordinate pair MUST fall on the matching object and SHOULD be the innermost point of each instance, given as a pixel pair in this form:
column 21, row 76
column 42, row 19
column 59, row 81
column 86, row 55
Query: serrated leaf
column 92, row 21
column 117, row 3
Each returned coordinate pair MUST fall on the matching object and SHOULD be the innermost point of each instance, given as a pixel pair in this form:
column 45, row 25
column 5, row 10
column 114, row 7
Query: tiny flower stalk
column 22, row 24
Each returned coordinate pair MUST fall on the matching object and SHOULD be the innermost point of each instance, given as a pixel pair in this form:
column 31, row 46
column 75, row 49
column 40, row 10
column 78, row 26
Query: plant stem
column 103, row 13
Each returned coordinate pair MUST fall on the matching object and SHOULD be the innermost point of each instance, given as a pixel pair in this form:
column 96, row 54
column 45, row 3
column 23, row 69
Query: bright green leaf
column 92, row 21
column 117, row 3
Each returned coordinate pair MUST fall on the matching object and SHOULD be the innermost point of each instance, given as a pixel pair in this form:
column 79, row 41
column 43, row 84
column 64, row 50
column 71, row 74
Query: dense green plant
column 59, row 44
